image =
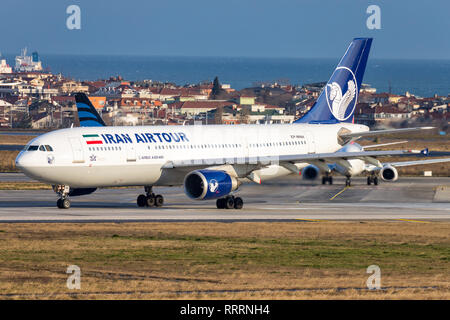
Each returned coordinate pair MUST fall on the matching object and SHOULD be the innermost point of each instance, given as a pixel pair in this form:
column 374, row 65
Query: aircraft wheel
column 324, row 180
column 141, row 200
column 238, row 203
column 369, row 181
column 65, row 204
column 220, row 203
column 150, row 201
column 59, row 203
column 375, row 181
column 330, row 180
column 229, row 203
column 159, row 200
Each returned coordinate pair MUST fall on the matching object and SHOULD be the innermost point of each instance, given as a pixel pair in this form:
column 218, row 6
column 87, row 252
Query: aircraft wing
column 417, row 162
column 263, row 161
column 357, row 135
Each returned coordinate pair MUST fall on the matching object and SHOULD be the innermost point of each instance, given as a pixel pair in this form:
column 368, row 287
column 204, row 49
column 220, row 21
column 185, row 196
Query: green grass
column 169, row 257
column 222, row 252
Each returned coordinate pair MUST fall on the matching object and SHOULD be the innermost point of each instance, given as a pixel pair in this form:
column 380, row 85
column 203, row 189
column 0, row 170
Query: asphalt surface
column 11, row 147
column 291, row 199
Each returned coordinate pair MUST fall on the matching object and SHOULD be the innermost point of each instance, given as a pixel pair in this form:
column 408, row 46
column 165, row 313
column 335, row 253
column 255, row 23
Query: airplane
column 370, row 166
column 209, row 161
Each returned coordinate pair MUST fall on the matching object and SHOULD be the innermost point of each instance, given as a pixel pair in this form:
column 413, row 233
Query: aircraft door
column 77, row 150
column 131, row 153
column 310, row 142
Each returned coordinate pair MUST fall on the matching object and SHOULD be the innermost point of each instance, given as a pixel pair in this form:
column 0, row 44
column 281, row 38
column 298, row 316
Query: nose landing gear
column 149, row 199
column 348, row 182
column 63, row 193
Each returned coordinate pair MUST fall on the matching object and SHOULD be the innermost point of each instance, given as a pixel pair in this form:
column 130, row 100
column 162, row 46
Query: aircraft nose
column 23, row 161
column 19, row 160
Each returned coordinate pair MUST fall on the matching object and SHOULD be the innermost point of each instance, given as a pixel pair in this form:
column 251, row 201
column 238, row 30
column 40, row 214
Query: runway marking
column 339, row 193
column 286, row 208
column 411, row 220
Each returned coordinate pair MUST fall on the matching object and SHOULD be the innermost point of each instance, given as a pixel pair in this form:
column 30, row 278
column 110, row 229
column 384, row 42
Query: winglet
column 87, row 114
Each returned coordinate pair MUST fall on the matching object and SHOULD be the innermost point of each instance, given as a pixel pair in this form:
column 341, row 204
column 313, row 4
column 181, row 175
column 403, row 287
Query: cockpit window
column 48, row 148
column 33, row 148
column 41, row 148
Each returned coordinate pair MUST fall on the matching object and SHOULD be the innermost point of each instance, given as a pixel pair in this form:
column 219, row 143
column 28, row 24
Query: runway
column 408, row 200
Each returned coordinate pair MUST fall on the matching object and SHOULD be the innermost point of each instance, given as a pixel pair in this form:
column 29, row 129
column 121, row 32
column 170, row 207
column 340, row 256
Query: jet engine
column 209, row 184
column 389, row 173
column 310, row 172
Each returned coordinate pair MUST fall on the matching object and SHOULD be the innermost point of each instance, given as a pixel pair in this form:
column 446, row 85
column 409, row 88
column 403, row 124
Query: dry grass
column 7, row 161
column 15, row 139
column 226, row 260
column 32, row 185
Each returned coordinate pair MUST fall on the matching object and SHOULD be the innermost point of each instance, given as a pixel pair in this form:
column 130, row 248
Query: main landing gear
column 63, row 193
column 149, row 199
column 230, row 202
column 372, row 179
column 327, row 178
column 348, row 182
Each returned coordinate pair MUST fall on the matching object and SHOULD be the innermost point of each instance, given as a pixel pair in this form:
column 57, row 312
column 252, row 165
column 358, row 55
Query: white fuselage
column 126, row 156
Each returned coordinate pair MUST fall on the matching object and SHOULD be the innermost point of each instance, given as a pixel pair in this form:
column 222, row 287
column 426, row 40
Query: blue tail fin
column 338, row 99
column 87, row 114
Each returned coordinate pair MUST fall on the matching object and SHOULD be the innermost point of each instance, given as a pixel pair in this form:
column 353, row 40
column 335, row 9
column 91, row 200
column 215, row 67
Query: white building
column 4, row 67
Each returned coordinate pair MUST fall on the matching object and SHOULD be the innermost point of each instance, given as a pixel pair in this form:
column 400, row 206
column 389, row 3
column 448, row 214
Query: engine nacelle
column 310, row 172
column 208, row 184
column 389, row 173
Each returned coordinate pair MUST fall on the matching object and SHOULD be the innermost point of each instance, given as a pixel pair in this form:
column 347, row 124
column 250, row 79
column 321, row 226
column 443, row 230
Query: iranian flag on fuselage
column 92, row 139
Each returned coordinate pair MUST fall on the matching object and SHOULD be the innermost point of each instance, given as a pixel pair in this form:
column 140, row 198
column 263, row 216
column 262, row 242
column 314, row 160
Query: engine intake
column 208, row 184
column 310, row 172
column 389, row 173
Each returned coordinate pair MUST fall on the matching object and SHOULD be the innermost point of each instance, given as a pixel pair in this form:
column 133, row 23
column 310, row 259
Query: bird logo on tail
column 339, row 100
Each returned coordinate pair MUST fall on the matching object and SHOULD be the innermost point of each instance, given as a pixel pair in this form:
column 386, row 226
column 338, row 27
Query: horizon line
column 211, row 56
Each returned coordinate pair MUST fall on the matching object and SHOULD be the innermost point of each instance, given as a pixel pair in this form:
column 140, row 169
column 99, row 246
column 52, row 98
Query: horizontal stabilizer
column 383, row 144
column 356, row 135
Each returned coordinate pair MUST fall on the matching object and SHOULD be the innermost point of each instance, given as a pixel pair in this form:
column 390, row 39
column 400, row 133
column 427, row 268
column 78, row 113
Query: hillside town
column 33, row 98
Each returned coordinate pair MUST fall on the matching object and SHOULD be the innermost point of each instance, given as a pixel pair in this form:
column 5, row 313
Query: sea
column 420, row 77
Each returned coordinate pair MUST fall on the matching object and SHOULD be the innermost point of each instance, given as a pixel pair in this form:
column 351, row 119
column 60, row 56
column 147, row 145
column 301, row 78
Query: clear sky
column 244, row 28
